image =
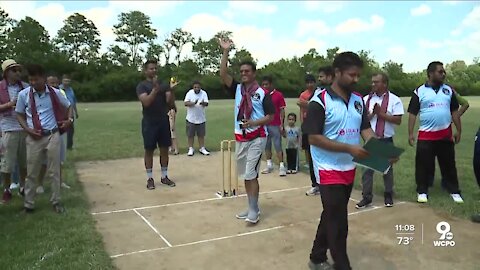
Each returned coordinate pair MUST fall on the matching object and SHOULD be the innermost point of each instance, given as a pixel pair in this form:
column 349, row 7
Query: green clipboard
column 379, row 154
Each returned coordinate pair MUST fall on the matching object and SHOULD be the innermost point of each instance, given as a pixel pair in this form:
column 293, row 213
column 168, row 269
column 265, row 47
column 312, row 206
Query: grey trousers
column 367, row 179
column 36, row 150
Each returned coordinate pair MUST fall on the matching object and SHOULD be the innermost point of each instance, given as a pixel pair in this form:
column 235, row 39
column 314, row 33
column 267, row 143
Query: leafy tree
column 6, row 25
column 394, row 70
column 178, row 39
column 118, row 56
column 154, row 51
column 29, row 42
column 134, row 28
column 208, row 53
column 79, row 38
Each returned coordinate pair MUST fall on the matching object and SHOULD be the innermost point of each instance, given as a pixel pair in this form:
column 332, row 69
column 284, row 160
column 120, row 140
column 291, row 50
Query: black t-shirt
column 158, row 110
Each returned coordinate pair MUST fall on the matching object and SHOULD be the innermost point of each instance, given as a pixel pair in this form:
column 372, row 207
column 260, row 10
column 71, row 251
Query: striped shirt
column 10, row 122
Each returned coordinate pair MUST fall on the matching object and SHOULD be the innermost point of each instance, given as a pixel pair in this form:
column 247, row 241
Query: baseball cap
column 9, row 63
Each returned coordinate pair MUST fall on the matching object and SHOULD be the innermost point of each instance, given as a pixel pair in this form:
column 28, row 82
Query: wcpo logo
column 446, row 236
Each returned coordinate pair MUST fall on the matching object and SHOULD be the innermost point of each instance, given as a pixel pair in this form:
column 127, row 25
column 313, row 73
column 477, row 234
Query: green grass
column 46, row 240
column 112, row 131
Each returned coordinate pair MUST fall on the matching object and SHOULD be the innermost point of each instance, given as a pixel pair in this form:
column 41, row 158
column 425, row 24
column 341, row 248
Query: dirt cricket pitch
column 189, row 227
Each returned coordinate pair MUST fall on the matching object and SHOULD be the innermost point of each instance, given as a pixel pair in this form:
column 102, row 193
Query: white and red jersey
column 329, row 115
column 435, row 107
column 262, row 106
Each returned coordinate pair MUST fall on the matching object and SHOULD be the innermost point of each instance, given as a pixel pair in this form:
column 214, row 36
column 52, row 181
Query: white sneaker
column 14, row 186
column 313, row 191
column 204, row 151
column 456, row 197
column 40, row 190
column 65, row 185
column 267, row 170
column 282, row 171
column 190, row 151
column 422, row 198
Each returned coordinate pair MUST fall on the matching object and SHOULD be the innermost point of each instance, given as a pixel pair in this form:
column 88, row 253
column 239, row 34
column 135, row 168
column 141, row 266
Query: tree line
column 114, row 74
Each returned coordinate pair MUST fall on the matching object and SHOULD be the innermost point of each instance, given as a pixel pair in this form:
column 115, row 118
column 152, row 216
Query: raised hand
column 226, row 44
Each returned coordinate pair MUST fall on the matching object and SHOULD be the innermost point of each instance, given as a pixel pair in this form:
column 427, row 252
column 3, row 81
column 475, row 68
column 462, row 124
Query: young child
column 293, row 142
column 172, row 113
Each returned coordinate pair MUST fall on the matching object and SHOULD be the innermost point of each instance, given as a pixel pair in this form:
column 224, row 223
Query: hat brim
column 11, row 66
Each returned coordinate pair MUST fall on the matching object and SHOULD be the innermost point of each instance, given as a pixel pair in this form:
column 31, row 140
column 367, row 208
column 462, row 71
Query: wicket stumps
column 229, row 169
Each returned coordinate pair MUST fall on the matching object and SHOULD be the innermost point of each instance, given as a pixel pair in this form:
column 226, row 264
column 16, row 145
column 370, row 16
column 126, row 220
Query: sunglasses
column 16, row 69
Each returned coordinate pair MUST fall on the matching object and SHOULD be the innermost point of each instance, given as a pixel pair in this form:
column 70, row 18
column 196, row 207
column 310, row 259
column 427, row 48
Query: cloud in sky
column 355, row 25
column 312, row 28
column 262, row 28
column 266, row 47
column 421, row 10
column 324, row 6
column 103, row 17
column 246, row 8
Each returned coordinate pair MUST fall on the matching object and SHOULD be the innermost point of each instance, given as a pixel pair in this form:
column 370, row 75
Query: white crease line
column 191, row 202
column 153, row 228
column 234, row 235
column 138, row 252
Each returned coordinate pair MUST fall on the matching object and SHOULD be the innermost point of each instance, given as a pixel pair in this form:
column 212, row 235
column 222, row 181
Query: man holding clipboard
column 385, row 110
column 336, row 120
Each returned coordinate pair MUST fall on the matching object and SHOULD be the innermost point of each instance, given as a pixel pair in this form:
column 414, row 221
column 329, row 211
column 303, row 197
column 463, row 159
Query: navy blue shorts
column 156, row 134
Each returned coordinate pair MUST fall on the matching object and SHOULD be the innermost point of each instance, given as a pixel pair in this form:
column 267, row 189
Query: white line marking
column 232, row 236
column 153, row 228
column 365, row 210
column 138, row 252
column 422, row 233
column 195, row 201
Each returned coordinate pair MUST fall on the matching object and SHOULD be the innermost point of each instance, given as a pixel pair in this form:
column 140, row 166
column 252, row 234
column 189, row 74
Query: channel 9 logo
column 446, row 236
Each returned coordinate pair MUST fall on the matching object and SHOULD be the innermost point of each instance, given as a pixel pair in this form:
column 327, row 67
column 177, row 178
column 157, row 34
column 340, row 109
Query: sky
column 410, row 32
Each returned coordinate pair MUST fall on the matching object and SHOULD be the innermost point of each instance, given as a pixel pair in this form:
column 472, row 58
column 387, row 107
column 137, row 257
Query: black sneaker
column 388, row 199
column 168, row 182
column 58, row 208
column 363, row 203
column 28, row 210
column 476, row 218
column 150, row 183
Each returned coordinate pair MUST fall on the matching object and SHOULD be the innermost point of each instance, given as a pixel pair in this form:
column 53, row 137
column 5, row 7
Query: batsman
column 253, row 111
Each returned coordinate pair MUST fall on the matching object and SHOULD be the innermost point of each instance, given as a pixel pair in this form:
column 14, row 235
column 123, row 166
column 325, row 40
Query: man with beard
column 325, row 76
column 438, row 106
column 336, row 119
column 196, row 100
column 253, row 111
